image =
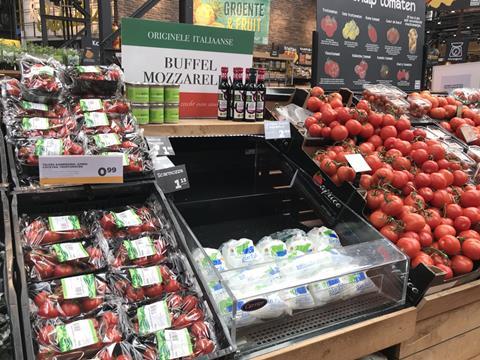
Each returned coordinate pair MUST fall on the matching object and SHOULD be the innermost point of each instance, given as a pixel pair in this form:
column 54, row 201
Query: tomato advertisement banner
column 248, row 15
column 186, row 55
column 369, row 41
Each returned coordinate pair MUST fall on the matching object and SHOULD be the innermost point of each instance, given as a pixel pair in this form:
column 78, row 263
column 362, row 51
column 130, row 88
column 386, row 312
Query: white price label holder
column 358, row 163
column 81, row 169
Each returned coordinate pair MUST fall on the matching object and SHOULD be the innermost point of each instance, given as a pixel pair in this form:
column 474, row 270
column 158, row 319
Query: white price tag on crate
column 468, row 133
column 358, row 163
column 81, row 169
column 277, row 130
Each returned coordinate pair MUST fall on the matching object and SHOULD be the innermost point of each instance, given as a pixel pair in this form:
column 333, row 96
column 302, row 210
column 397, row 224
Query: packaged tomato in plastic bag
column 81, row 338
column 21, row 108
column 102, row 123
column 69, row 297
column 10, row 88
column 142, row 283
column 29, row 150
column 130, row 221
column 187, row 343
column 32, row 127
column 110, row 106
column 40, row 79
column 114, row 142
column 125, row 350
column 65, row 259
column 419, row 106
column 467, row 96
column 140, row 251
column 94, row 80
column 44, row 230
column 173, row 311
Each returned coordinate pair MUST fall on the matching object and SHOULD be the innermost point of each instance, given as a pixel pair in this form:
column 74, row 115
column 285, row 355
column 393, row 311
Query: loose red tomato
column 407, row 135
column 426, row 239
column 403, row 124
column 432, row 218
column 343, row 115
column 422, row 180
column 460, row 178
column 374, row 199
column 367, row 131
column 414, row 222
column 339, row 133
column 390, row 232
column 345, row 173
column 400, row 179
column 461, row 264
column 441, row 198
column 422, row 258
column 446, row 269
column 388, row 132
column 411, row 234
column 437, row 181
column 453, row 211
column 469, row 234
column 426, row 193
column 376, row 140
column 401, row 163
column 310, row 121
column 450, row 245
column 447, row 175
column 470, row 198
column 388, row 120
column 437, row 152
column 472, row 213
column 328, row 167
column 392, row 205
column 429, row 166
column 443, row 230
column 354, row 127
column 471, row 248
column 447, row 221
column 462, row 223
column 411, row 247
column 378, row 219
column 365, row 181
column 375, row 119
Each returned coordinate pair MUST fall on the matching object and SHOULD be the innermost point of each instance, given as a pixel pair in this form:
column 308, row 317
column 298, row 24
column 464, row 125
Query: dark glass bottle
column 251, row 96
column 238, row 89
column 260, row 95
column 223, row 95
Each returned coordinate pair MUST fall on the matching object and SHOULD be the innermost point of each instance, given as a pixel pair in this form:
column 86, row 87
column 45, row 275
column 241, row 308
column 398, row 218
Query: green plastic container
column 172, row 94
column 157, row 115
column 138, row 93
column 157, row 94
column 171, row 113
column 141, row 113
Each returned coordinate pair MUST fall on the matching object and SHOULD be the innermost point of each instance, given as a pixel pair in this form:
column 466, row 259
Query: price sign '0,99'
column 104, row 171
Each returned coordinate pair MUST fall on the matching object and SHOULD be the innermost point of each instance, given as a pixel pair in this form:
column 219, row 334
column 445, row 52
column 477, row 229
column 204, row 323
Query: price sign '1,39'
column 172, row 179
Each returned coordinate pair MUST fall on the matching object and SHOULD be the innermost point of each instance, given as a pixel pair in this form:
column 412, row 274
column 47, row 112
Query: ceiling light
column 468, row 27
column 439, row 22
column 452, row 11
column 454, row 35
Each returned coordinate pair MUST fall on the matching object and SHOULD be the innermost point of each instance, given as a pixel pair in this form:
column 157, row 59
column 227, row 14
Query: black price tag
column 161, row 145
column 277, row 129
column 172, row 179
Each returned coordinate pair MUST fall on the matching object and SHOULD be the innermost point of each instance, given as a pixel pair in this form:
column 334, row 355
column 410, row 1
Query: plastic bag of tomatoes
column 172, row 311
column 102, row 123
column 65, row 259
column 140, row 251
column 84, row 337
column 28, row 150
column 15, row 108
column 130, row 221
column 115, row 142
column 69, row 297
column 187, row 343
column 44, row 230
column 125, row 350
column 110, row 106
column 34, row 127
column 40, row 79
column 143, row 283
column 10, row 88
column 94, row 80
column 419, row 107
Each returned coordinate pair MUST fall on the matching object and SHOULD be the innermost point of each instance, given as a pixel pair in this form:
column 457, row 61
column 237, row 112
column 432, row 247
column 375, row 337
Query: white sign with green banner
column 186, row 55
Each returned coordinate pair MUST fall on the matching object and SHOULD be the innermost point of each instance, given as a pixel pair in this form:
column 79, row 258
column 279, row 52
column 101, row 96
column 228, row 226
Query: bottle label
column 250, row 105
column 260, row 105
column 238, row 105
column 222, row 104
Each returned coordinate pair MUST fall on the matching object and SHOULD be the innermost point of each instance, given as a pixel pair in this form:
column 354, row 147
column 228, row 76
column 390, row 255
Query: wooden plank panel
column 462, row 347
column 439, row 328
column 204, row 127
column 352, row 341
column 447, row 300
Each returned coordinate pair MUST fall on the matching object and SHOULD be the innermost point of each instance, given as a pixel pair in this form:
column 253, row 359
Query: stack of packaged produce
column 112, row 284
column 57, row 110
column 284, row 268
column 420, row 190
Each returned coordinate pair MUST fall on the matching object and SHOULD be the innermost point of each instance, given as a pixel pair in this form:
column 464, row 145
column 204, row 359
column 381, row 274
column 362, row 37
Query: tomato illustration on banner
column 187, row 55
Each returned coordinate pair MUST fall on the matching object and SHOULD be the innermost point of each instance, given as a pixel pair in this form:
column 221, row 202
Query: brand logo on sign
column 254, row 304
column 456, row 50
